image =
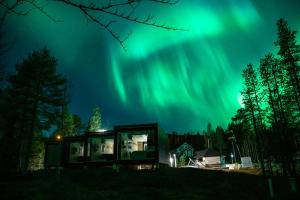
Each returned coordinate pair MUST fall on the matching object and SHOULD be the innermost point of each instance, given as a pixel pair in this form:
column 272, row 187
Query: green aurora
column 180, row 79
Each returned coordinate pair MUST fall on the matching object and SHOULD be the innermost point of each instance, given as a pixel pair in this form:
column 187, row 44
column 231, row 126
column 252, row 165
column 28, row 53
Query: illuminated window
column 101, row 148
column 76, row 151
column 136, row 145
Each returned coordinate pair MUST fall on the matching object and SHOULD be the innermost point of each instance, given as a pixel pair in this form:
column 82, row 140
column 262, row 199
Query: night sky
column 182, row 80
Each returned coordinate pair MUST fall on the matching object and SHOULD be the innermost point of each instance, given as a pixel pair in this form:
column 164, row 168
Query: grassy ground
column 174, row 184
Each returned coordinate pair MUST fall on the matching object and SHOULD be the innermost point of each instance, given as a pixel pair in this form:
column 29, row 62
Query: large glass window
column 101, row 148
column 76, row 151
column 136, row 145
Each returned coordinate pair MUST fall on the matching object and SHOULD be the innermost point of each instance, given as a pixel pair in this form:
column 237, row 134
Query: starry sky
column 180, row 79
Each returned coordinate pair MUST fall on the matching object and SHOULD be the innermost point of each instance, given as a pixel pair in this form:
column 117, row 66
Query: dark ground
column 174, row 184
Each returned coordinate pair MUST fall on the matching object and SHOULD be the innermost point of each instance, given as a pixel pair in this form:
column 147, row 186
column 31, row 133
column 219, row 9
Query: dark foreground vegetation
column 130, row 184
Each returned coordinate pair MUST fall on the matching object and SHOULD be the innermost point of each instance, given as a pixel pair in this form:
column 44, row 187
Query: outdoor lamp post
column 171, row 161
column 231, row 156
column 234, row 143
column 233, row 151
column 175, row 164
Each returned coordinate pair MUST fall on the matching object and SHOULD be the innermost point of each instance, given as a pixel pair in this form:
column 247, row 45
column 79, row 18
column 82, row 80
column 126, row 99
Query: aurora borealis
column 180, row 79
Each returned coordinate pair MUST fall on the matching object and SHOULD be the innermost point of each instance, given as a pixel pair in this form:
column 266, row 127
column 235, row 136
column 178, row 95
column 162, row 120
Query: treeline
column 209, row 138
column 33, row 101
column 197, row 141
column 267, row 127
column 271, row 96
column 233, row 140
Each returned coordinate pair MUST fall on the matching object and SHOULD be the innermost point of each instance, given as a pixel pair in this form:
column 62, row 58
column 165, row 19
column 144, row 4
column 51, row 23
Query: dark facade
column 143, row 144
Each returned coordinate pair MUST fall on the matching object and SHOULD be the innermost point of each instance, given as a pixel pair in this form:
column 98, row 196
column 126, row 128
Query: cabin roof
column 209, row 152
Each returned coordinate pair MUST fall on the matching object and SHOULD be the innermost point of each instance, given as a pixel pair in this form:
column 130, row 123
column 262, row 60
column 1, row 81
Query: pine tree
column 95, row 120
column 218, row 140
column 252, row 104
column 289, row 53
column 69, row 125
column 277, row 91
column 78, row 125
column 34, row 97
column 209, row 133
column 273, row 86
column 240, row 128
column 66, row 126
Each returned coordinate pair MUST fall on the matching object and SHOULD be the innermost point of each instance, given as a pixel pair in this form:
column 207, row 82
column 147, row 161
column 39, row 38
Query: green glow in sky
column 199, row 18
column 189, row 71
column 182, row 80
column 118, row 81
column 195, row 79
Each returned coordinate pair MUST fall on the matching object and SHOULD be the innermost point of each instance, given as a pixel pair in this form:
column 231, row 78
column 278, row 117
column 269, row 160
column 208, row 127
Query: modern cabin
column 142, row 145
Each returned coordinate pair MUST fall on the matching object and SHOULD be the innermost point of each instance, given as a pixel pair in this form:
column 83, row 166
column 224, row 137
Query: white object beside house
column 246, row 162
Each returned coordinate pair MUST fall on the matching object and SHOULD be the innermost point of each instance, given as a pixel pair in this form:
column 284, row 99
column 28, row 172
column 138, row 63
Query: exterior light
column 175, row 164
column 101, row 130
column 171, row 161
column 58, row 137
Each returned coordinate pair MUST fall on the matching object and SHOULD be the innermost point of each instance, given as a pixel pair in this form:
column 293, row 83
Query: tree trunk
column 26, row 141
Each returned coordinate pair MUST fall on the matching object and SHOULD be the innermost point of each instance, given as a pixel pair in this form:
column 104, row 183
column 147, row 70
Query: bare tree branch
column 106, row 27
column 42, row 10
column 122, row 15
column 10, row 8
column 124, row 10
column 17, row 8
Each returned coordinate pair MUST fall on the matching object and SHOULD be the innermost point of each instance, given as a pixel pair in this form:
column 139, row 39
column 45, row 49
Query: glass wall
column 101, row 148
column 76, row 151
column 136, row 145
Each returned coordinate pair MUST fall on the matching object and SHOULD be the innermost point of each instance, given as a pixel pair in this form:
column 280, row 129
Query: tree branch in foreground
column 114, row 10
